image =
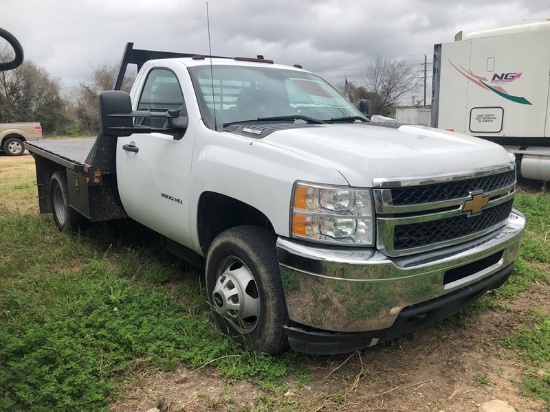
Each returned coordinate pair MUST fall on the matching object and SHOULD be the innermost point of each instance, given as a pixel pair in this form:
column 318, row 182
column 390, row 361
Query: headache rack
column 140, row 56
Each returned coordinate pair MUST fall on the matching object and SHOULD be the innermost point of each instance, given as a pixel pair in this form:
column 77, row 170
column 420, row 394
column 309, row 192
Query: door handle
column 131, row 148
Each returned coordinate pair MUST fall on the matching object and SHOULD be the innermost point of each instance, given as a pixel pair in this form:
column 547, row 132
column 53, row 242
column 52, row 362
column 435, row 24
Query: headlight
column 332, row 214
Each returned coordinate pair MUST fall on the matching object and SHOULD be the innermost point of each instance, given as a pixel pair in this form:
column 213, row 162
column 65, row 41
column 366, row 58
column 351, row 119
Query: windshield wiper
column 347, row 119
column 294, row 117
column 275, row 118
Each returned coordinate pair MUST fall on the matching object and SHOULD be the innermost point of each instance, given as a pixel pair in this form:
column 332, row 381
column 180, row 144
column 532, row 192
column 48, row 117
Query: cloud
column 334, row 37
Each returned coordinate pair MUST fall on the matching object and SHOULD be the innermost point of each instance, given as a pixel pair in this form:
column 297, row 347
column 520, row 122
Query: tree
column 352, row 92
column 389, row 80
column 355, row 93
column 30, row 94
column 85, row 99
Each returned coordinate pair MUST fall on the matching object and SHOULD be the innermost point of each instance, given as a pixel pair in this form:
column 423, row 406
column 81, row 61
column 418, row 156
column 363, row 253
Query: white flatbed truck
column 318, row 229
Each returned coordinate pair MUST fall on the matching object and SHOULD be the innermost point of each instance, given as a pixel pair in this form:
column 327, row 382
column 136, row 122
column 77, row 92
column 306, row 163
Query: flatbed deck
column 90, row 175
column 71, row 153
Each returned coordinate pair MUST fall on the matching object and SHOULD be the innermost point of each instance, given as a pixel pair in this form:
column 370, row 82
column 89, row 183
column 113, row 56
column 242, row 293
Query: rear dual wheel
column 245, row 290
column 65, row 217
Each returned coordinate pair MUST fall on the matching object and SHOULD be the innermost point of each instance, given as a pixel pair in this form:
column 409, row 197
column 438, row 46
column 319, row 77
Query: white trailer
column 495, row 84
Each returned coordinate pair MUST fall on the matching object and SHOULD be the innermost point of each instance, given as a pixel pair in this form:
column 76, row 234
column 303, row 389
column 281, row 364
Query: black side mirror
column 365, row 107
column 111, row 104
column 17, row 48
column 117, row 118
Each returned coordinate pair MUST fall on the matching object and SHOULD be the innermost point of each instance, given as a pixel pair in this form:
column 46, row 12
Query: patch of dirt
column 186, row 391
column 443, row 368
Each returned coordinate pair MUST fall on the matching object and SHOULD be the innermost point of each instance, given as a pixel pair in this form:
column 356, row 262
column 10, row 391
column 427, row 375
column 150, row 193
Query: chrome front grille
column 421, row 234
column 424, row 213
column 451, row 190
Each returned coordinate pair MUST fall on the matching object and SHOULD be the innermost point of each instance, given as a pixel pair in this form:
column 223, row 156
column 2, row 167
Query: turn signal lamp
column 332, row 214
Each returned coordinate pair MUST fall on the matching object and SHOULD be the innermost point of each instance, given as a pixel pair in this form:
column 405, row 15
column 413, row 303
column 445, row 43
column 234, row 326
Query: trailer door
column 454, row 86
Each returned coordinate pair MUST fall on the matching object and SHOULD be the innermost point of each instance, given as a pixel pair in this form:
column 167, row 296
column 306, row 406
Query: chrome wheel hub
column 15, row 147
column 235, row 295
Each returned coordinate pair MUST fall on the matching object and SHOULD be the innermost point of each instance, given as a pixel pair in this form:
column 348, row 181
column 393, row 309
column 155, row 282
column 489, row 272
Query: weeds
column 482, row 380
column 534, row 346
column 77, row 314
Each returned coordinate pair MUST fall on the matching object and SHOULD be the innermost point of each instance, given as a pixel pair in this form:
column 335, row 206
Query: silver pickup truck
column 12, row 136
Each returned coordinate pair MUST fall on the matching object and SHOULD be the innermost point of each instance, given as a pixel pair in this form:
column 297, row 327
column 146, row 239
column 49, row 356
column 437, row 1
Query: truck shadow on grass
column 139, row 253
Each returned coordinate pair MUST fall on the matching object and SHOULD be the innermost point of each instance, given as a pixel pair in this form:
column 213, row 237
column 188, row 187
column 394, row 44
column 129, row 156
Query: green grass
column 533, row 265
column 534, row 345
column 80, row 313
column 482, row 380
column 534, row 257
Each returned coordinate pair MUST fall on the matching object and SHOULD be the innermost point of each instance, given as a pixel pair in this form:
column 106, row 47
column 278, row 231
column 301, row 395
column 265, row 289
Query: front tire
column 245, row 290
column 13, row 147
column 65, row 217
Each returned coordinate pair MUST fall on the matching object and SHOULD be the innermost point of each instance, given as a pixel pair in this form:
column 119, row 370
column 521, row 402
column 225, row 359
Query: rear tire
column 65, row 217
column 13, row 147
column 245, row 290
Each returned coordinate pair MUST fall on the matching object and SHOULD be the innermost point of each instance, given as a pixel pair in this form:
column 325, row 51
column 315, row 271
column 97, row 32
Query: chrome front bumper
column 351, row 290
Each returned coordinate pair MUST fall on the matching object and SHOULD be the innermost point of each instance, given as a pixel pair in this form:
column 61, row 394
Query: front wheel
column 13, row 147
column 245, row 290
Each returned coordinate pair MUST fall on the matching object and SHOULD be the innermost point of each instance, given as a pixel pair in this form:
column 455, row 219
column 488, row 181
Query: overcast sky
column 334, row 38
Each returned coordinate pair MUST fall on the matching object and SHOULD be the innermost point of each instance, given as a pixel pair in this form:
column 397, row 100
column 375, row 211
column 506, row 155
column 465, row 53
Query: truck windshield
column 244, row 94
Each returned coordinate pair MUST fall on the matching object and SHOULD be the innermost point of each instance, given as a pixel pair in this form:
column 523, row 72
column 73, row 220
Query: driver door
column 153, row 169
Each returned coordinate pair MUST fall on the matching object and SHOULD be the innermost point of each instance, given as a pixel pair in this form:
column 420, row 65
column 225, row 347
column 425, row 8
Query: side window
column 161, row 92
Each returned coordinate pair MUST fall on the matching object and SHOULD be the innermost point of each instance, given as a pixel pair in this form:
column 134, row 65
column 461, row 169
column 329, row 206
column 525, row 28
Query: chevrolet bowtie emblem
column 475, row 205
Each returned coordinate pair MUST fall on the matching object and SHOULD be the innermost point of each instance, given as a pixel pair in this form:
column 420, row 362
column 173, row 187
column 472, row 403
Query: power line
column 365, row 58
column 360, row 68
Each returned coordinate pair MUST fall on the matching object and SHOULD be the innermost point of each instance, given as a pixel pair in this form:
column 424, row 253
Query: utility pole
column 425, row 75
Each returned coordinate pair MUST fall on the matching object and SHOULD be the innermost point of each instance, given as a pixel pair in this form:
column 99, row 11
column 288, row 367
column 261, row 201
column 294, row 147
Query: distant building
column 414, row 115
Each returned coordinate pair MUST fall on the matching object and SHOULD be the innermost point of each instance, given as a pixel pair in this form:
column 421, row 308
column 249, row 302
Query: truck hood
column 363, row 152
